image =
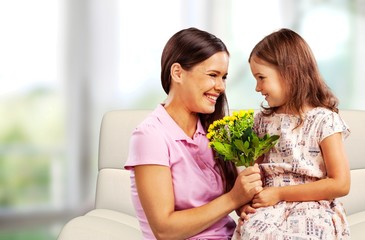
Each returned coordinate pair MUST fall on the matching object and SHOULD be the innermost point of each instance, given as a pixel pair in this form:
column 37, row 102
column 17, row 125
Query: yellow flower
column 233, row 138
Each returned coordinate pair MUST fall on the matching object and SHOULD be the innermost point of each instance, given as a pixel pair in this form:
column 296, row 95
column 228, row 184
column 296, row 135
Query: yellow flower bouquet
column 233, row 138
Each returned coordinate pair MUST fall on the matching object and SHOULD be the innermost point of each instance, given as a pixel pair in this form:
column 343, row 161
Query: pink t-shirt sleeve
column 147, row 146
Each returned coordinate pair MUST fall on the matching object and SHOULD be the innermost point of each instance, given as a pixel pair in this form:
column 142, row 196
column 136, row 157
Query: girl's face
column 204, row 83
column 268, row 82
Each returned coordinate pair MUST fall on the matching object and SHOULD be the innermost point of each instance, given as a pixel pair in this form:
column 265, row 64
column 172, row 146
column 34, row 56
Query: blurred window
column 32, row 109
column 64, row 63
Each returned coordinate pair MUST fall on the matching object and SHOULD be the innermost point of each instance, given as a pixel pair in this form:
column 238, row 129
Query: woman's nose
column 220, row 85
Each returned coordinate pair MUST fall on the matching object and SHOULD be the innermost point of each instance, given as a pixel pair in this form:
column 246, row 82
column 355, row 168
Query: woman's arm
column 156, row 193
column 336, row 184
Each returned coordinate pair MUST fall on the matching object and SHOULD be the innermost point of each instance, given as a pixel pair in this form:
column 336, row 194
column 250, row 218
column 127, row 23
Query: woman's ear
column 176, row 72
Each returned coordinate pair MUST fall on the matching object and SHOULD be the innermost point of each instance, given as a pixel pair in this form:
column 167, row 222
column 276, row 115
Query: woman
column 179, row 190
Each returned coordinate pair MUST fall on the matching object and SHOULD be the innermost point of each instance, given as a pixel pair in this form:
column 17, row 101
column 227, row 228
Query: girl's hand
column 245, row 210
column 267, row 197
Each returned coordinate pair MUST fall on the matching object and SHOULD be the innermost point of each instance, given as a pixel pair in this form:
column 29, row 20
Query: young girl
column 307, row 169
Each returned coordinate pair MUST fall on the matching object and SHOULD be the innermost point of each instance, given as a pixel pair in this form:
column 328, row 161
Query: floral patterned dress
column 297, row 159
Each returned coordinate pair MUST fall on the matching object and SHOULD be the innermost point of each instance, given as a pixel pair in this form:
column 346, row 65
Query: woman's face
column 204, row 83
column 268, row 82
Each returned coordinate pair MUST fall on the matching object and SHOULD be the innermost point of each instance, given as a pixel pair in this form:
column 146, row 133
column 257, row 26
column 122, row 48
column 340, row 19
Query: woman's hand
column 248, row 183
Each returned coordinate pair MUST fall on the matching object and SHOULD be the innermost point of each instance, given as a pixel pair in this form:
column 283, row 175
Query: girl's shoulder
column 328, row 121
column 275, row 116
column 320, row 113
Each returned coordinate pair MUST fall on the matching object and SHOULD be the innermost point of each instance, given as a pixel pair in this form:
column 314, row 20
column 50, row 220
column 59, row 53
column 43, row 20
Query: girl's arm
column 336, row 184
column 155, row 190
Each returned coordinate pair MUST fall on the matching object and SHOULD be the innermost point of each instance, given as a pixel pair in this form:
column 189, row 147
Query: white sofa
column 114, row 217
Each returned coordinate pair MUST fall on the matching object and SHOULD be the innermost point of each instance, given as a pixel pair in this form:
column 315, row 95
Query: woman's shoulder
column 160, row 124
column 154, row 119
column 149, row 126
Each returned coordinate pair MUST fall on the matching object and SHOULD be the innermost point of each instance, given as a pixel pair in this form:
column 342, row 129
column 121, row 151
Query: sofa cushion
column 354, row 202
column 115, row 216
column 357, row 225
column 113, row 191
column 94, row 227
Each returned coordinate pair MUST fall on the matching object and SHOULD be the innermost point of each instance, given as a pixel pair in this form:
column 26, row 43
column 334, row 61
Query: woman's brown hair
column 190, row 47
column 290, row 54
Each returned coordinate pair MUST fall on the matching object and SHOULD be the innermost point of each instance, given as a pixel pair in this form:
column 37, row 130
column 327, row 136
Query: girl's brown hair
column 190, row 47
column 291, row 55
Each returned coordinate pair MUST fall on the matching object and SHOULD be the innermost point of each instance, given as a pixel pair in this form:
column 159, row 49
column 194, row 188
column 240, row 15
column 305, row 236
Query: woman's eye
column 213, row 75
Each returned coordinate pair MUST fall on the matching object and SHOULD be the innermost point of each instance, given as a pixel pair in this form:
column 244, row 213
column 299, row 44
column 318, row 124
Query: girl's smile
column 268, row 82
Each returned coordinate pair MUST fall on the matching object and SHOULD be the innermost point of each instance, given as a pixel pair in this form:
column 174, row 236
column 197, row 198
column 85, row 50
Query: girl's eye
column 260, row 77
column 213, row 75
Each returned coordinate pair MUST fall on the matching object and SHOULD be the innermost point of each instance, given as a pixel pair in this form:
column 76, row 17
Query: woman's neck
column 185, row 119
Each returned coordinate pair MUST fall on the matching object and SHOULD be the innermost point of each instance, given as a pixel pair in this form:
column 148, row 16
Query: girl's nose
column 258, row 88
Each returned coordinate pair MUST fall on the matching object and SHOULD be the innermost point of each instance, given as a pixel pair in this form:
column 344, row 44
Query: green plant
column 234, row 139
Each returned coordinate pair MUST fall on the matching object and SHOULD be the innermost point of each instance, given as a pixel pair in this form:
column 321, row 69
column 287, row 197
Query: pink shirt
column 196, row 179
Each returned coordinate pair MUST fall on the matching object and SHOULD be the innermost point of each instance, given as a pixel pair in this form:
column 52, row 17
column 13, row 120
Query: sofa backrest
column 354, row 144
column 113, row 183
column 115, row 132
column 355, row 149
column 113, row 190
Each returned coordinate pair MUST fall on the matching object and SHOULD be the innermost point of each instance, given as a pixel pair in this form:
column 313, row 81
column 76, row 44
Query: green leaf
column 247, row 134
column 223, row 149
